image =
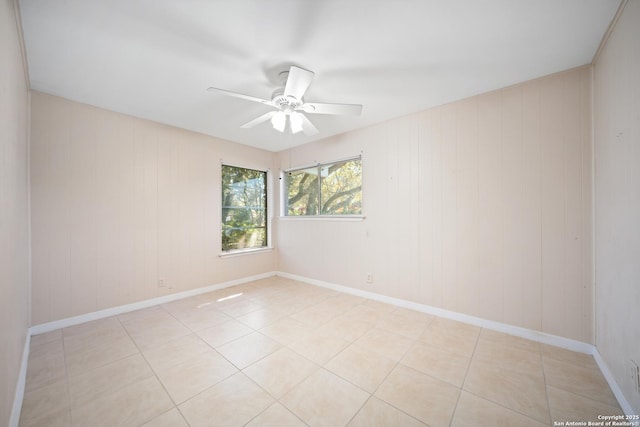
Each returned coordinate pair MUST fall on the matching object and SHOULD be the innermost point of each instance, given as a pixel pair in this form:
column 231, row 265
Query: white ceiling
column 155, row 58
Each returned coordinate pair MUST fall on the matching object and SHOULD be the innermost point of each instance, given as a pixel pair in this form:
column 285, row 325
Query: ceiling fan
column 289, row 104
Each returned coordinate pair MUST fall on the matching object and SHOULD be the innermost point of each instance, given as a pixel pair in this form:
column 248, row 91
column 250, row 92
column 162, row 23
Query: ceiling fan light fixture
column 279, row 121
column 289, row 104
column 295, row 121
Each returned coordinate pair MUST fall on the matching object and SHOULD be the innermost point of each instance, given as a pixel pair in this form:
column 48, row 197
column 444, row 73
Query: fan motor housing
column 286, row 103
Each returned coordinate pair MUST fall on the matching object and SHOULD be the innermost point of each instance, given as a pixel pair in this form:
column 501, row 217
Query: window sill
column 347, row 218
column 241, row 252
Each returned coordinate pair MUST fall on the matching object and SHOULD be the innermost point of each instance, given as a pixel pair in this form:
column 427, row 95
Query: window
column 326, row 189
column 244, row 208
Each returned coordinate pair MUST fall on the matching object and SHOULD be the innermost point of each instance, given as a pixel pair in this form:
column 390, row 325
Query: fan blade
column 298, row 82
column 339, row 109
column 258, row 120
column 239, row 95
column 307, row 127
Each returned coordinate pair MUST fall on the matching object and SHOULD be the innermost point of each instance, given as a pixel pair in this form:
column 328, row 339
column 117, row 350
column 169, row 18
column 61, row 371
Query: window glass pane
column 326, row 189
column 302, row 189
column 244, row 208
column 341, row 188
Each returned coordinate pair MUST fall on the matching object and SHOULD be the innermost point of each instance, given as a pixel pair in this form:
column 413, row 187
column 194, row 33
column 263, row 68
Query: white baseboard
column 532, row 335
column 529, row 334
column 615, row 388
column 113, row 311
column 20, row 386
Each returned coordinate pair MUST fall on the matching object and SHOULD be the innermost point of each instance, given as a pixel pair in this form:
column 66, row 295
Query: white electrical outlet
column 369, row 278
column 161, row 283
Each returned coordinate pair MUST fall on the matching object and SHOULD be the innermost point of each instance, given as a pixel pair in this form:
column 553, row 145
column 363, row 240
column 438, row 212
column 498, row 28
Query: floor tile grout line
column 66, row 374
column 489, row 400
column 127, row 333
column 69, row 377
column 276, row 399
column 345, row 311
column 155, row 374
column 499, row 403
column 177, row 405
column 355, row 414
column 471, row 357
column 373, row 394
column 319, row 367
column 546, row 384
column 581, row 396
column 582, row 368
column 461, row 387
column 183, row 416
column 504, row 407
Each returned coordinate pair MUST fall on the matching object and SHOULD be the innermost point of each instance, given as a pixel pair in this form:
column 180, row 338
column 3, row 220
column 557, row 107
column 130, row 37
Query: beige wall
column 14, row 209
column 119, row 203
column 481, row 206
column 617, row 195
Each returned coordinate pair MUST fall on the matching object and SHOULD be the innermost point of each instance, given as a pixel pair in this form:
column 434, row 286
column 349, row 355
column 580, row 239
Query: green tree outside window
column 326, row 189
column 244, row 208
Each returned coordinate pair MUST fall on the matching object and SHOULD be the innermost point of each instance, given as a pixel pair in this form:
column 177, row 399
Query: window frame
column 268, row 211
column 284, row 195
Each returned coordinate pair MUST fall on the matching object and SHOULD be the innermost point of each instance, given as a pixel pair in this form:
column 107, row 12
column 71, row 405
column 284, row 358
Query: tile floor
column 280, row 353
